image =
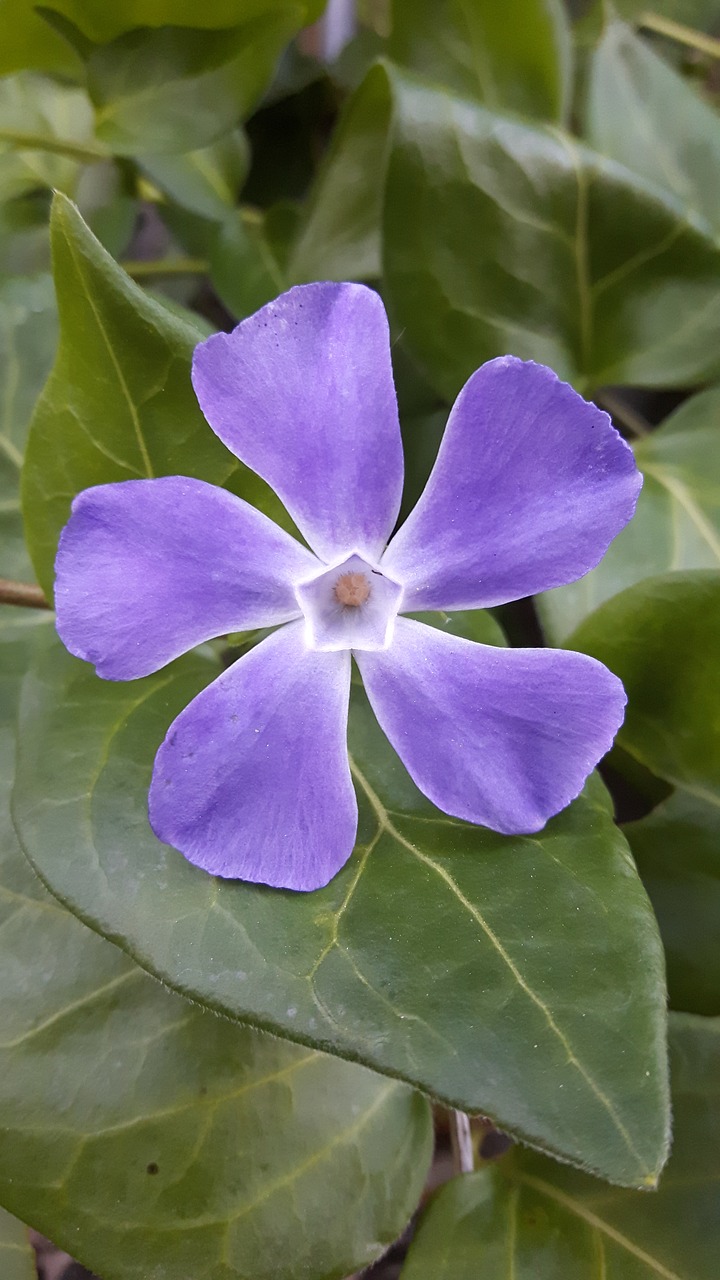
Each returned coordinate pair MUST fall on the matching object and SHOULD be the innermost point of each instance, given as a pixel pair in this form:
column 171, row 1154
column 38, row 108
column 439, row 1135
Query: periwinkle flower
column 530, row 486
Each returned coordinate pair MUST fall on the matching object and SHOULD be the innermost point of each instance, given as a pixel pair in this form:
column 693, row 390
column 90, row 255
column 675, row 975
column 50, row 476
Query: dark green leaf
column 119, row 403
column 514, row 56
column 176, row 89
column 472, row 624
column 17, row 1259
column 662, row 637
column 500, row 237
column 206, row 181
column 340, row 234
column 152, row 1138
column 243, row 267
column 28, row 336
column 677, row 522
column 517, row 977
column 677, row 851
column 530, row 1218
column 101, row 21
column 648, row 117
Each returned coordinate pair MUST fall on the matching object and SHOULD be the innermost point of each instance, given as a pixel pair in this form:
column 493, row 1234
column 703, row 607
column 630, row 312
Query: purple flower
column 530, row 486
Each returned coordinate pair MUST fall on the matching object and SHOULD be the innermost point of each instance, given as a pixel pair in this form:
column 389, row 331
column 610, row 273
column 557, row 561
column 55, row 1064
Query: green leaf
column 243, row 267
column 500, row 236
column 514, row 57
column 529, row 1217
column 46, row 133
column 677, row 522
column 28, row 42
column 177, row 89
column 471, row 624
column 662, row 638
column 101, row 21
column 339, row 238
column 17, row 1259
column 517, row 977
column 677, row 851
column 28, row 336
column 206, row 181
column 643, row 114
column 119, row 403
column 152, row 1138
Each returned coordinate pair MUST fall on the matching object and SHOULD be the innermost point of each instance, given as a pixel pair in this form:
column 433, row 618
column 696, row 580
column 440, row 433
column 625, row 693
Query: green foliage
column 530, row 1217
column 16, row 1256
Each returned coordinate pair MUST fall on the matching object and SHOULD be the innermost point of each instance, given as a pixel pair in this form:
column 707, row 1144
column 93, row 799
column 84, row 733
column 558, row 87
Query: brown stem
column 22, row 593
column 462, row 1143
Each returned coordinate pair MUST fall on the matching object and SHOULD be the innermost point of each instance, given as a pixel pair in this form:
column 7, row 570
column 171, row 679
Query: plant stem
column 462, row 1143
column 166, row 267
column 60, row 146
column 22, row 593
column 680, row 33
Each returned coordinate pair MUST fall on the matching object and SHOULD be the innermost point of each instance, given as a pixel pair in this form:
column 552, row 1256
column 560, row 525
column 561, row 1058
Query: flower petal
column 530, row 486
column 501, row 737
column 253, row 780
column 303, row 393
column 146, row 569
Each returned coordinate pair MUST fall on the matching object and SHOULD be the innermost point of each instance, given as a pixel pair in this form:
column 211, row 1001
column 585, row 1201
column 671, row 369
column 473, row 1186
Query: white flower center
column 352, row 605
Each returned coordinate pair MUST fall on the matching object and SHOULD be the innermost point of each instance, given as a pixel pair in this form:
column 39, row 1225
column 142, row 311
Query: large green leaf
column 518, row 977
column 648, row 117
column 677, row 851
column 101, row 21
column 530, row 1218
column 504, row 237
column 28, row 336
column 514, row 56
column 17, row 1259
column 340, row 234
column 119, row 404
column 177, row 89
column 677, row 522
column 152, row 1138
column 662, row 637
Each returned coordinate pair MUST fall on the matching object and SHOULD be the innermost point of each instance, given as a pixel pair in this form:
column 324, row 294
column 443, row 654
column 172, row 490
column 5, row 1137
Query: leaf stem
column 25, row 594
column 166, row 267
column 60, row 146
column 461, row 1141
column 680, row 33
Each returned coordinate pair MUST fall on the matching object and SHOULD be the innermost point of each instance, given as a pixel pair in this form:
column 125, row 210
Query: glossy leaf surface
column 517, row 977
column 648, row 117
column 677, row 851
column 152, row 1138
column 503, row 237
column 662, row 639
column 514, row 57
column 28, row 336
column 531, row 1218
column 677, row 522
column 119, row 403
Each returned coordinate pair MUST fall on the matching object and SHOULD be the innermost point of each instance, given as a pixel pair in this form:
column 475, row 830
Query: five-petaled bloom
column 530, row 486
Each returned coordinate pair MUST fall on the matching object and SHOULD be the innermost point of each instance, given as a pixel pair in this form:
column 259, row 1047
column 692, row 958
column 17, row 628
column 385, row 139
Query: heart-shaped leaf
column 152, row 1138
column 520, row 977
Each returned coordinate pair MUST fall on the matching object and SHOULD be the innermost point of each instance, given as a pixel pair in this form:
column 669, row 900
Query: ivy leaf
column 17, row 1258
column 677, row 522
column 677, row 851
column 152, row 1138
column 435, row 955
column 529, row 1216
column 28, row 336
column 662, row 638
column 643, row 114
column 119, row 403
column 514, row 57
column 502, row 236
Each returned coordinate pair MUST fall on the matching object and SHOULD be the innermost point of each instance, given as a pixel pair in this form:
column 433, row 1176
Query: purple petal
column 146, row 569
column 530, row 486
column 303, row 393
column 501, row 737
column 253, row 781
